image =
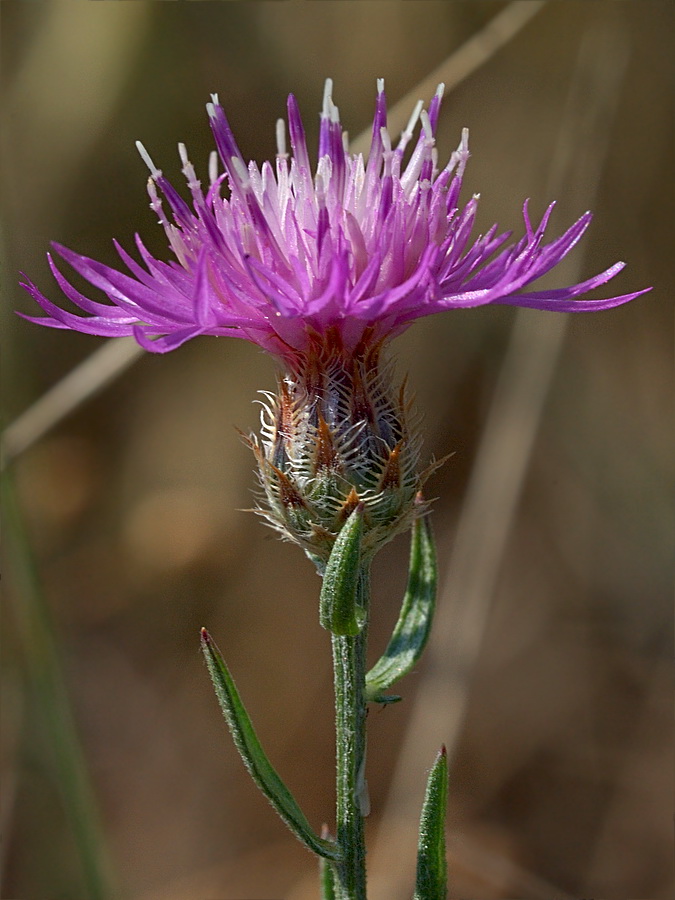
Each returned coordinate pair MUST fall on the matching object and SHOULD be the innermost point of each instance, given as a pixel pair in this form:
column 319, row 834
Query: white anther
column 412, row 121
column 213, row 167
column 345, row 141
column 281, row 138
column 240, row 170
column 211, row 107
column 440, row 90
column 380, row 85
column 182, row 152
column 426, row 124
column 324, row 171
column 152, row 191
column 145, row 156
column 327, row 98
column 156, row 203
column 386, row 140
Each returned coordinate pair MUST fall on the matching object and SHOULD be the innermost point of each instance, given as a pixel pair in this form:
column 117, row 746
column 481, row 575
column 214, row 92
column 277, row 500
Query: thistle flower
column 322, row 271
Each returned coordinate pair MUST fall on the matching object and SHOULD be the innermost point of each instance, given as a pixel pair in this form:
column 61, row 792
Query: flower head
column 322, row 269
column 347, row 256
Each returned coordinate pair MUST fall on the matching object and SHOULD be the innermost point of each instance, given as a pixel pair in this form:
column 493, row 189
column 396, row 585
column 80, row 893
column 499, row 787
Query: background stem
column 49, row 704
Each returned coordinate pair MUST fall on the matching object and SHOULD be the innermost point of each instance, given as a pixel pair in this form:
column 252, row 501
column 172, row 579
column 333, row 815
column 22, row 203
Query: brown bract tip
column 325, row 456
column 288, row 493
column 391, row 477
column 351, row 503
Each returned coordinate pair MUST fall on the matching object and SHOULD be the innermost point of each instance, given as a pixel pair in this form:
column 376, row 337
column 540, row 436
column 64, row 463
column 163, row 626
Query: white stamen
column 240, row 170
column 327, row 98
column 426, row 125
column 324, row 171
column 156, row 204
column 386, row 140
column 281, row 138
column 334, row 113
column 345, row 141
column 460, row 156
column 440, row 90
column 213, row 166
column 145, row 156
column 380, row 85
column 412, row 121
column 182, row 152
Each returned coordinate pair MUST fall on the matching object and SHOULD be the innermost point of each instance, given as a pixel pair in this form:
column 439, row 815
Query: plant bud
column 338, row 434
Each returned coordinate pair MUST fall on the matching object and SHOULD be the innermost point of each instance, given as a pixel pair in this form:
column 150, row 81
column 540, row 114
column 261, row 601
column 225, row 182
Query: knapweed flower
column 322, row 269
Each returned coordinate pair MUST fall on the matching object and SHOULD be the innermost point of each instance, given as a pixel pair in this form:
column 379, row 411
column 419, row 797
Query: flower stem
column 349, row 665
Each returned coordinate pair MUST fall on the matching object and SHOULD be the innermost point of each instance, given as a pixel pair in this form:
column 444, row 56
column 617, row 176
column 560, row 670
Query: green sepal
column 432, row 868
column 254, row 757
column 411, row 632
column 339, row 611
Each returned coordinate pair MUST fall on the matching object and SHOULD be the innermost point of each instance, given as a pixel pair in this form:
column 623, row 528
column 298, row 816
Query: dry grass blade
column 499, row 470
column 474, row 53
column 83, row 382
column 108, row 362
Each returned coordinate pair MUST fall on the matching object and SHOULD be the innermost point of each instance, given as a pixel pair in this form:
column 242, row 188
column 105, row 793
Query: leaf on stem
column 412, row 630
column 338, row 608
column 432, row 867
column 254, row 757
column 327, row 873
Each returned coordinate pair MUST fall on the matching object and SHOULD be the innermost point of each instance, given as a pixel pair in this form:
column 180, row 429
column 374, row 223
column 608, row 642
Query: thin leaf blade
column 432, row 869
column 413, row 627
column 327, row 873
column 255, row 758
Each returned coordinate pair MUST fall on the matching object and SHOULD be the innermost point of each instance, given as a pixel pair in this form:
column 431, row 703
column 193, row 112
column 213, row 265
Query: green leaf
column 412, row 630
column 254, row 757
column 432, row 868
column 327, row 875
column 338, row 607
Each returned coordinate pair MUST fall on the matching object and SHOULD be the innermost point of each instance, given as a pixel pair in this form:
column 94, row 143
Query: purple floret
column 353, row 252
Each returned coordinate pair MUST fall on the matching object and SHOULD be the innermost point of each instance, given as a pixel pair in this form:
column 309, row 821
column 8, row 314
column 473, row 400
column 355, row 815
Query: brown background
column 553, row 688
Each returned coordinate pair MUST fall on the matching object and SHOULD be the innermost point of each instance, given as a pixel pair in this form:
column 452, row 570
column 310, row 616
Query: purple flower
column 344, row 258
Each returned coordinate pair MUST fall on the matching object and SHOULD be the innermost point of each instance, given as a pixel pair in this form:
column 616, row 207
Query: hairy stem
column 349, row 664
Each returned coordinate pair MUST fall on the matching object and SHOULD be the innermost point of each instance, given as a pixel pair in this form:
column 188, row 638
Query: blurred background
column 549, row 675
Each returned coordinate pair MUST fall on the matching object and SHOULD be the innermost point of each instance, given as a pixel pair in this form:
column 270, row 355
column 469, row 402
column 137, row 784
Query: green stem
column 43, row 666
column 349, row 665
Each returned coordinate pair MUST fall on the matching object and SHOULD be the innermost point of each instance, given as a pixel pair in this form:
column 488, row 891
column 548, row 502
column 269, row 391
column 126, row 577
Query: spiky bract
column 338, row 433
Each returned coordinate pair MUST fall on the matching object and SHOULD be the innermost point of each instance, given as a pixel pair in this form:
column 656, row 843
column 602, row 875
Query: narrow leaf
column 253, row 755
column 327, row 873
column 338, row 608
column 432, row 868
column 412, row 630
